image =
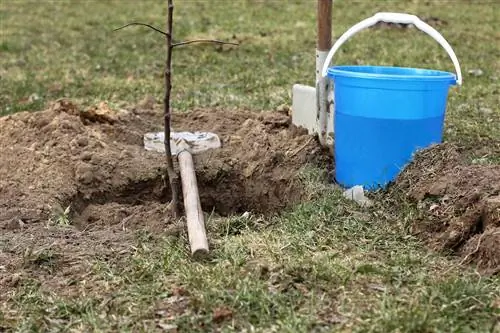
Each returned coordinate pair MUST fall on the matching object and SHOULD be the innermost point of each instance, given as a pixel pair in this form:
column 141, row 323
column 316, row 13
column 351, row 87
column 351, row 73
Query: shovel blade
column 304, row 109
column 198, row 142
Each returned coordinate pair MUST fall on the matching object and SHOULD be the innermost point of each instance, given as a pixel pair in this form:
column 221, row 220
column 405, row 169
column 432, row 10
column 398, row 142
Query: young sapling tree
column 167, row 112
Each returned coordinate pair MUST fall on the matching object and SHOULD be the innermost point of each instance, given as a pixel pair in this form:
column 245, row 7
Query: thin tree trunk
column 167, row 114
column 171, row 174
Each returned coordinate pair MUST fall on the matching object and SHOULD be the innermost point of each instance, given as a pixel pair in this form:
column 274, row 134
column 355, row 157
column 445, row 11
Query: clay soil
column 79, row 181
column 458, row 203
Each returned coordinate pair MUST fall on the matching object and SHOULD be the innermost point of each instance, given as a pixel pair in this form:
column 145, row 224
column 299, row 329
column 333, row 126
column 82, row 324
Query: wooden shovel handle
column 192, row 206
column 324, row 18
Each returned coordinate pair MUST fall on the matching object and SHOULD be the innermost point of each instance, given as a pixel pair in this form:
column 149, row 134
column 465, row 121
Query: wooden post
column 324, row 43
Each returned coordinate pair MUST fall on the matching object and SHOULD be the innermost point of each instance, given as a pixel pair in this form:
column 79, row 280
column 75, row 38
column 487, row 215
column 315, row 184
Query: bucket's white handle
column 394, row 18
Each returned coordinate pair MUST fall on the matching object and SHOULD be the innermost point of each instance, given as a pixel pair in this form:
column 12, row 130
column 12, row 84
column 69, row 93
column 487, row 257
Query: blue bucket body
column 383, row 115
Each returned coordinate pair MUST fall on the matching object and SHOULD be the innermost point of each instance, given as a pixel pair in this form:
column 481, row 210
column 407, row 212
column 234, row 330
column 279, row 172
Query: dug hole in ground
column 94, row 162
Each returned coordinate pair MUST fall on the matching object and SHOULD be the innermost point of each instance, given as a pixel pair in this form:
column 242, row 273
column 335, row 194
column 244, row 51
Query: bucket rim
column 405, row 73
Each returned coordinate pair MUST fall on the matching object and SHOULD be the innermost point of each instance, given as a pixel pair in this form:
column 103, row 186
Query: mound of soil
column 94, row 161
column 459, row 204
column 74, row 183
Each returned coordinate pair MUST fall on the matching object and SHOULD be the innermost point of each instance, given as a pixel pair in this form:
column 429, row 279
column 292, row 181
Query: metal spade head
column 197, row 142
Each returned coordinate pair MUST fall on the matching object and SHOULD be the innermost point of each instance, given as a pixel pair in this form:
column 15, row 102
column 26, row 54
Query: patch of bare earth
column 459, row 204
column 93, row 162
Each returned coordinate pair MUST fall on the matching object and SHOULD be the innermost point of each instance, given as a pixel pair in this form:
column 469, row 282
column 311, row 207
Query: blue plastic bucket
column 382, row 116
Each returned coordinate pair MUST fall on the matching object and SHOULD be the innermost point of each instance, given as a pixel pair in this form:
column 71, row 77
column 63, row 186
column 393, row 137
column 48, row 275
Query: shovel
column 184, row 145
column 312, row 106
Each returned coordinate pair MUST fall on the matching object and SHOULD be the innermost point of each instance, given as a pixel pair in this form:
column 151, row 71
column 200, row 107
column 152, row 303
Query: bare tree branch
column 203, row 41
column 143, row 24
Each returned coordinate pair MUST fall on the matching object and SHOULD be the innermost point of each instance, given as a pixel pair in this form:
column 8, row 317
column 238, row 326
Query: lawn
column 323, row 265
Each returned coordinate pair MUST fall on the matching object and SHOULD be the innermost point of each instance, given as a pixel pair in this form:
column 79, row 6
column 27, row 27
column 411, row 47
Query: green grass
column 325, row 265
column 67, row 48
column 321, row 266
